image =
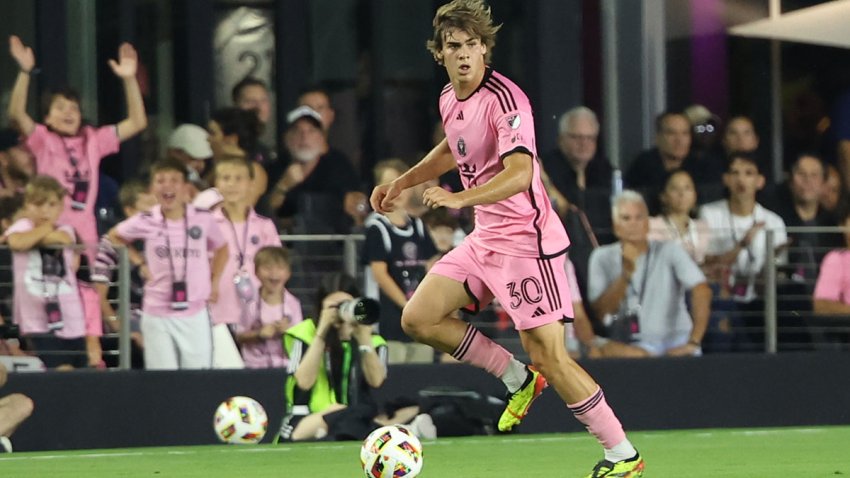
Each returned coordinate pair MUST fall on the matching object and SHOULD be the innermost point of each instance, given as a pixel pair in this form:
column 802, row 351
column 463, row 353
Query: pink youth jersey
column 31, row 289
column 492, row 123
column 197, row 230
column 268, row 353
column 55, row 156
column 243, row 239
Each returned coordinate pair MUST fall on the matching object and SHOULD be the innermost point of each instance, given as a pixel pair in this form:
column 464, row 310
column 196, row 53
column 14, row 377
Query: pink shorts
column 532, row 291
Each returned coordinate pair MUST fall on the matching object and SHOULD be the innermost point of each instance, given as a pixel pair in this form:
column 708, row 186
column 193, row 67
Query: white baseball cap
column 192, row 139
column 304, row 112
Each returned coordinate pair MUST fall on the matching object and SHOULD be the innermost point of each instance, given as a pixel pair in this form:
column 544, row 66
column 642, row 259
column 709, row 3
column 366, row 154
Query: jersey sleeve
column 37, row 143
column 215, row 239
column 21, row 225
column 106, row 139
column 270, row 236
column 135, row 227
column 514, row 128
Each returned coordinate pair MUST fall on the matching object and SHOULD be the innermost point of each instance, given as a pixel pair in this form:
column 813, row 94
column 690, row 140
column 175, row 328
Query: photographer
column 334, row 363
column 14, row 409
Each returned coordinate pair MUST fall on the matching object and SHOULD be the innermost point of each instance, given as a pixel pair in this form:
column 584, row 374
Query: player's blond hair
column 470, row 16
column 271, row 255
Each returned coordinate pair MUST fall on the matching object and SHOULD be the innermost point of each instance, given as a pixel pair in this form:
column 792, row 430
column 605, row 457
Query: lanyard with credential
column 185, row 246
column 645, row 276
column 243, row 248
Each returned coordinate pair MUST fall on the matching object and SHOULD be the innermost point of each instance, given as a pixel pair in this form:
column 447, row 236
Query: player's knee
column 414, row 322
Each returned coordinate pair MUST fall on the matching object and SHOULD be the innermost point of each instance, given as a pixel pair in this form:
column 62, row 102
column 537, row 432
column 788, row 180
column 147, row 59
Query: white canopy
column 825, row 24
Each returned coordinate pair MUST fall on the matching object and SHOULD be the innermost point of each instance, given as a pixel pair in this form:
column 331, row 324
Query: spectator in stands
column 355, row 203
column 14, row 409
column 575, row 169
column 833, row 190
column 639, row 286
column 71, row 152
column 798, row 204
column 313, row 183
column 737, row 253
column 16, row 163
column 334, row 364
column 135, row 197
column 740, row 136
column 672, row 151
column 396, row 252
column 705, row 130
column 319, row 100
column 189, row 144
column 246, row 232
column 236, row 133
column 271, row 313
column 676, row 221
column 252, row 94
column 48, row 308
column 178, row 239
column 832, row 291
column 443, row 228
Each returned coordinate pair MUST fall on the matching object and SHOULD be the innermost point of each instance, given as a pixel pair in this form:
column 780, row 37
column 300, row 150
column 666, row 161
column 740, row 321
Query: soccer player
column 516, row 252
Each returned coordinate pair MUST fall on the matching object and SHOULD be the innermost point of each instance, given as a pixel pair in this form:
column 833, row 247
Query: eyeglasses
column 582, row 137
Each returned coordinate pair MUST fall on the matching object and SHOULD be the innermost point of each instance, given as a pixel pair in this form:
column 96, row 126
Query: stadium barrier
column 785, row 323
column 90, row 409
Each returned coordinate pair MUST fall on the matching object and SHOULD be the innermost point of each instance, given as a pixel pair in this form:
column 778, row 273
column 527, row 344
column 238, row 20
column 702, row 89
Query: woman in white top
column 678, row 202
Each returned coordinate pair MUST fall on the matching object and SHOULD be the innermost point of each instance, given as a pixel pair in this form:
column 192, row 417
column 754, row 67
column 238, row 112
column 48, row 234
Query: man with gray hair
column 638, row 288
column 573, row 166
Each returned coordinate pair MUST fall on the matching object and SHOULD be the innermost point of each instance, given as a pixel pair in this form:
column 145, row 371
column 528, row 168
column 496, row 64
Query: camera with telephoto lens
column 362, row 310
column 9, row 331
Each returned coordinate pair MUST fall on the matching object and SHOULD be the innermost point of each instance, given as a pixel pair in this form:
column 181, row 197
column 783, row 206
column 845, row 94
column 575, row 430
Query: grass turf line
column 810, row 452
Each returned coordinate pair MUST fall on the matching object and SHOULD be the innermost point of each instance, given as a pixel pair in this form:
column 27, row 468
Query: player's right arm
column 438, row 161
column 25, row 58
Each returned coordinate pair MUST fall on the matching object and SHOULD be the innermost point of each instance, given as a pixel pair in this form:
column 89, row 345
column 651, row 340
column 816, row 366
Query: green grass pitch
column 797, row 452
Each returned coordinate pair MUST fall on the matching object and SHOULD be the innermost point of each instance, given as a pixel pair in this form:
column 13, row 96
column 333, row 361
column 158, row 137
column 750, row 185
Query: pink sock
column 478, row 350
column 91, row 310
column 599, row 419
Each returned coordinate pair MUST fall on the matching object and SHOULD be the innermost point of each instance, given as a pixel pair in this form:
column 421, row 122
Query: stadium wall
column 91, row 409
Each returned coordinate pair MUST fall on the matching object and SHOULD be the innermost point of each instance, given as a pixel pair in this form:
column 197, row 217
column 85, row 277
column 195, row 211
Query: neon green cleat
column 631, row 468
column 520, row 401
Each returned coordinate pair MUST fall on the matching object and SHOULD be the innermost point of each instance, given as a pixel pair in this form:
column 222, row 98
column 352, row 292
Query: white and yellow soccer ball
column 391, row 452
column 240, row 420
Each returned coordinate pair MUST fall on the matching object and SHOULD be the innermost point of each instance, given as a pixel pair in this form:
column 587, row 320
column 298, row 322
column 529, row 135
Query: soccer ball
column 240, row 420
column 391, row 452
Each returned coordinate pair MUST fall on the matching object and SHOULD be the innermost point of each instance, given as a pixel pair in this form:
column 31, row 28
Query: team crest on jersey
column 194, row 232
column 514, row 121
column 255, row 239
column 461, row 147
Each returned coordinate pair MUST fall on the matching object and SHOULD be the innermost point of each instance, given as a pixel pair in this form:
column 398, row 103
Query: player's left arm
column 514, row 179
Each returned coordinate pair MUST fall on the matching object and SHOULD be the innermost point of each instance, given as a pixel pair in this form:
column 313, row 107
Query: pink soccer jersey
column 243, row 239
column 270, row 352
column 31, row 290
column 492, row 123
column 189, row 242
column 75, row 160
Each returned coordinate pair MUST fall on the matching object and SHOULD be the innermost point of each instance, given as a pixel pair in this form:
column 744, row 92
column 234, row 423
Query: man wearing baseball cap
column 188, row 144
column 312, row 182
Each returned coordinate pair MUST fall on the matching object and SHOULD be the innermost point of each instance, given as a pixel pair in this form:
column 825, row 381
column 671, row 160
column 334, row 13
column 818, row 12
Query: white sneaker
column 5, row 445
column 423, row 427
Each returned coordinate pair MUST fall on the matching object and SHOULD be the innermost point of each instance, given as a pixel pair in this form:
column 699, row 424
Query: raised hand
column 128, row 61
column 22, row 54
